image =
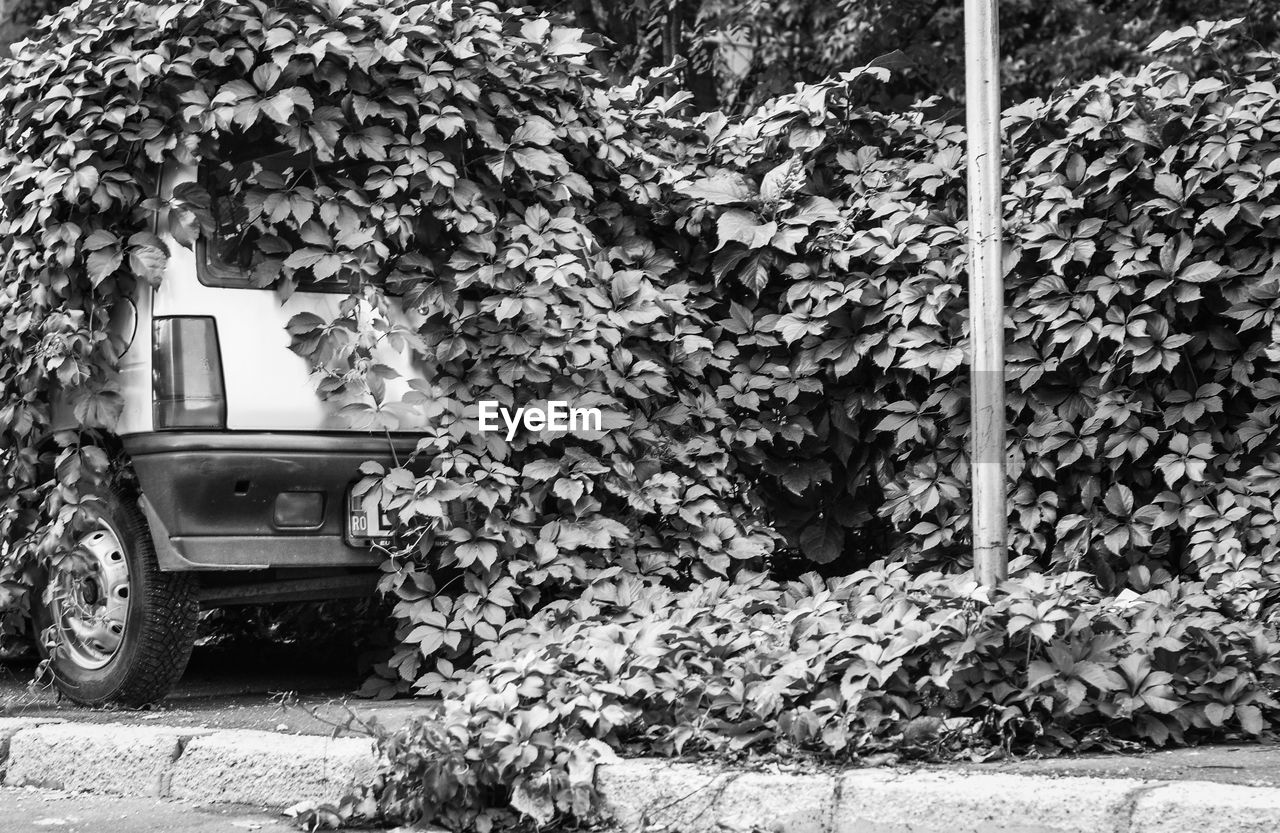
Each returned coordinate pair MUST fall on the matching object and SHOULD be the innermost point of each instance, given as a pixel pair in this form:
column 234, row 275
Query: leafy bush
column 929, row 666
column 742, row 52
column 820, row 249
column 1141, row 265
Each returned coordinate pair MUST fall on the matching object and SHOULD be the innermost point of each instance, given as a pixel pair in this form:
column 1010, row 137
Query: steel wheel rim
column 90, row 603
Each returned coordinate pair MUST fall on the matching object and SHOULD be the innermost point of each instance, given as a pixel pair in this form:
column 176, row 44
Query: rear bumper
column 211, row 498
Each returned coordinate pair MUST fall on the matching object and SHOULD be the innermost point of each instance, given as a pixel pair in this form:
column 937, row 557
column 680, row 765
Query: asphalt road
column 24, row 810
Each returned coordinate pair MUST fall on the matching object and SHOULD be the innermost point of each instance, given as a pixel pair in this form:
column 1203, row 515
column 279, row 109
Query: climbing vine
column 462, row 158
column 768, row 314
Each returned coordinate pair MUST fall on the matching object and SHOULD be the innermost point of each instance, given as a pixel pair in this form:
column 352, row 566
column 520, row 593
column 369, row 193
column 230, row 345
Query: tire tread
column 170, row 615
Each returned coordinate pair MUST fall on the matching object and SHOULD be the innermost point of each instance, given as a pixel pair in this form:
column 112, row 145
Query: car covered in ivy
column 242, row 472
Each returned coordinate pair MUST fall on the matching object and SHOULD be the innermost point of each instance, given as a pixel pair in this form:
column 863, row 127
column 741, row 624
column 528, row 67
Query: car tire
column 120, row 630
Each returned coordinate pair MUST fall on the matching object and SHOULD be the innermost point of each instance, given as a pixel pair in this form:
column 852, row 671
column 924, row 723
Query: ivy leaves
column 770, row 314
column 1139, row 275
column 242, row 102
column 835, row 669
column 720, row 189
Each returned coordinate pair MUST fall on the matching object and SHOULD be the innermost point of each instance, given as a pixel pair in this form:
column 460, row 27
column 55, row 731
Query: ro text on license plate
column 367, row 519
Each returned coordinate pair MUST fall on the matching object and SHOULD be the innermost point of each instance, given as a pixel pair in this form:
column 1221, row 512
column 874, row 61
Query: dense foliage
column 770, row 313
column 477, row 158
column 928, row 666
column 739, row 53
column 1141, row 284
column 825, row 242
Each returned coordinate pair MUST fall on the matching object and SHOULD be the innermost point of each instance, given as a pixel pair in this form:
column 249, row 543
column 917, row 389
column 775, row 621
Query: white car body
column 233, row 496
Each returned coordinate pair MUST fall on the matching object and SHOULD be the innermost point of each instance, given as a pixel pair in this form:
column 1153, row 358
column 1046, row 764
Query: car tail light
column 187, row 374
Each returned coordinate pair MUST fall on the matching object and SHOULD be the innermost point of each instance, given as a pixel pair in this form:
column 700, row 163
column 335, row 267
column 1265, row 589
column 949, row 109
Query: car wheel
column 120, row 630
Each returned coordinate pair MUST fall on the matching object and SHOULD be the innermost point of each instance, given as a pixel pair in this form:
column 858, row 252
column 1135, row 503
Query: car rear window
column 261, row 199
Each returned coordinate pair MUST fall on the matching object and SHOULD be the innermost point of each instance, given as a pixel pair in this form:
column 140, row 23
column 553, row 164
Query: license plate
column 367, row 520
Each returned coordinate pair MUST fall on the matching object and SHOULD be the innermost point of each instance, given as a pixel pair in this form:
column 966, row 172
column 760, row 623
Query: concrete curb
column 108, row 758
column 268, row 769
column 272, row 769
column 9, row 726
column 247, row 767
column 652, row 795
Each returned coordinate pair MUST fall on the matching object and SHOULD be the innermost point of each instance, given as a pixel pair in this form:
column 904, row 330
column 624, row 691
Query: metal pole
column 986, row 290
